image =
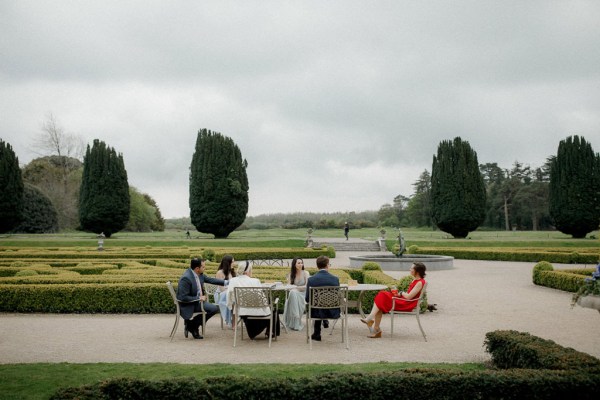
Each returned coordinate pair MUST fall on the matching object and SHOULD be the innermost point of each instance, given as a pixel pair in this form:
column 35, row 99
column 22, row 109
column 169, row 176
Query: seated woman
column 296, row 303
column 253, row 326
column 383, row 300
column 225, row 271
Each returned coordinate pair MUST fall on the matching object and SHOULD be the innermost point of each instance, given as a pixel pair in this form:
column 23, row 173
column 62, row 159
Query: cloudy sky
column 336, row 105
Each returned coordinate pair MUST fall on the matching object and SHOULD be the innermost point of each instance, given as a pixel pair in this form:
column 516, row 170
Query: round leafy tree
column 218, row 185
column 104, row 194
column 458, row 194
column 11, row 188
column 575, row 187
column 39, row 214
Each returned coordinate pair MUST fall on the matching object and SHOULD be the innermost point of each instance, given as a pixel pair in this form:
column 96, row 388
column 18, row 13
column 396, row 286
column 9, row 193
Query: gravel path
column 474, row 298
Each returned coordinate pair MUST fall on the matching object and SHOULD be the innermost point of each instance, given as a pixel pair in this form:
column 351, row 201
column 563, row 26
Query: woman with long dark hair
column 296, row 303
column 384, row 301
column 226, row 271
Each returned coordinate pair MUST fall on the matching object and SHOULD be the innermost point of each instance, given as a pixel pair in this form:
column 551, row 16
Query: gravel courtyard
column 473, row 298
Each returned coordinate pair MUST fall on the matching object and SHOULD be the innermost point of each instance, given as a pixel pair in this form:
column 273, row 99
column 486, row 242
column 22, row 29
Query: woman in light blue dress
column 226, row 271
column 295, row 303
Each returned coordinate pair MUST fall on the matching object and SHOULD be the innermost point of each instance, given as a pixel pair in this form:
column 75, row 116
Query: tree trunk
column 506, row 221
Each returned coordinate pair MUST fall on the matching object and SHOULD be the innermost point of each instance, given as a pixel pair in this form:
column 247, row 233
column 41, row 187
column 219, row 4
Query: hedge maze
column 130, row 279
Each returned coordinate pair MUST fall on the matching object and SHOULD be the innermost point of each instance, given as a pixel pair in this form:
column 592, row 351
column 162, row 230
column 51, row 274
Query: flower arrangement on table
column 591, row 286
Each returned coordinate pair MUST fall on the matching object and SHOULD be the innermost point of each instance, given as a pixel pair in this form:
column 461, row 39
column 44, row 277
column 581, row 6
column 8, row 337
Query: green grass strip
column 41, row 380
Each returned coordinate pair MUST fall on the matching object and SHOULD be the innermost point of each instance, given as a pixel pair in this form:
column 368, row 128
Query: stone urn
column 589, row 301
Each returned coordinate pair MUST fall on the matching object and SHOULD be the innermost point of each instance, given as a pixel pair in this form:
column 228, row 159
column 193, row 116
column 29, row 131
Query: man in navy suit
column 322, row 278
column 190, row 290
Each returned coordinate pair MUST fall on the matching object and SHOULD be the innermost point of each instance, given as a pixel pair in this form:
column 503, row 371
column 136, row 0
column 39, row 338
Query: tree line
column 457, row 197
column 59, row 192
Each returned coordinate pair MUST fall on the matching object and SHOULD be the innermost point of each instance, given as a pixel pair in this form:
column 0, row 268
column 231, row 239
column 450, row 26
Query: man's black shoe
column 185, row 332
column 197, row 335
column 325, row 324
column 315, row 337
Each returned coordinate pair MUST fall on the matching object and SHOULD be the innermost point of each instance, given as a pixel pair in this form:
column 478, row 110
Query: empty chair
column 328, row 298
column 416, row 311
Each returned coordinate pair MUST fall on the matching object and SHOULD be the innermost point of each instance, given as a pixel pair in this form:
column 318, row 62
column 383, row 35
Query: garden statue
column 401, row 244
column 101, row 241
column 309, row 241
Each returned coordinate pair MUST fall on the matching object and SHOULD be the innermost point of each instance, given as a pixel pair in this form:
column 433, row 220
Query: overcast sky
column 336, row 105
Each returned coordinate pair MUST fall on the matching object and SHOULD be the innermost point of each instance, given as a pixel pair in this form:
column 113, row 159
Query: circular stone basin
column 390, row 262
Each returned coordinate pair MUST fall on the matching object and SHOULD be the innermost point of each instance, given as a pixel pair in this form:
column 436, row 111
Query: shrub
column 539, row 267
column 371, row 266
column 208, row 254
column 26, row 272
column 512, row 349
column 412, row 249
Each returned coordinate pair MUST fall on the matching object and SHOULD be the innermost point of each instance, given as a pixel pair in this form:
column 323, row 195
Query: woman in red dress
column 383, row 300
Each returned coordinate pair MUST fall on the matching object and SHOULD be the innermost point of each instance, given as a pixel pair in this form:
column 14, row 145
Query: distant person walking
column 346, row 230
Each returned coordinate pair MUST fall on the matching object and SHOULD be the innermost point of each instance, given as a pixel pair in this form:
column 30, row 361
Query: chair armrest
column 405, row 299
column 187, row 302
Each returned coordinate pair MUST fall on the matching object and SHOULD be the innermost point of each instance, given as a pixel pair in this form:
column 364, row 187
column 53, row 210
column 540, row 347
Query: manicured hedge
column 582, row 256
column 512, row 349
column 546, row 371
column 87, row 298
column 567, row 280
column 265, row 254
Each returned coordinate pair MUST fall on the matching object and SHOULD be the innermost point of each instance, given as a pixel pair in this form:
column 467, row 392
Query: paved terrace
column 474, row 298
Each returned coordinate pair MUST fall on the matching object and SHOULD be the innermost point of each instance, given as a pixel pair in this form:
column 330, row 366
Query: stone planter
column 589, row 301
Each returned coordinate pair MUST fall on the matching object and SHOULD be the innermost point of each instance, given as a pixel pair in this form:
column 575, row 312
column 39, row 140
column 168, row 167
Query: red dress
column 383, row 299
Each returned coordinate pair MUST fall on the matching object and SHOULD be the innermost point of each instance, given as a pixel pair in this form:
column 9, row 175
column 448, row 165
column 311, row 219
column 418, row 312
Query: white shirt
column 244, row 281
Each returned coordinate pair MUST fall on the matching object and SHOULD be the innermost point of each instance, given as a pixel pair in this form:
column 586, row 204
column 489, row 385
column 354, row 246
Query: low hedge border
column 574, row 378
column 512, row 349
column 582, row 256
column 544, row 274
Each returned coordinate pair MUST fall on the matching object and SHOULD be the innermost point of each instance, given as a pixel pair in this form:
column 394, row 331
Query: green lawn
column 39, row 381
column 278, row 238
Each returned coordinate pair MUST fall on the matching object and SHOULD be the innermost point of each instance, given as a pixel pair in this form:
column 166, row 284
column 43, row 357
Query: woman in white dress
column 226, row 271
column 296, row 304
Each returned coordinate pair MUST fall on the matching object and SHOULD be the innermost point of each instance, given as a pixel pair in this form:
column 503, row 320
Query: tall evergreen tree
column 39, row 214
column 104, row 194
column 575, row 187
column 218, row 185
column 458, row 195
column 419, row 206
column 11, row 188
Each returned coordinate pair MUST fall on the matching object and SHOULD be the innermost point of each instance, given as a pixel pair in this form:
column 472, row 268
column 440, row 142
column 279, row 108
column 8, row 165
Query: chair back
column 253, row 297
column 328, row 297
column 173, row 294
column 210, row 290
column 421, row 298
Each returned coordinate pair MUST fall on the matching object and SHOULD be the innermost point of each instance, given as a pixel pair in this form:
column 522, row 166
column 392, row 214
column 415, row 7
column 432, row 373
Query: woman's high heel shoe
column 368, row 322
column 375, row 335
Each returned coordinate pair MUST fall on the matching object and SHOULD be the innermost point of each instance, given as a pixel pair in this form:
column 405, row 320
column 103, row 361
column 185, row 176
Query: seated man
column 190, row 289
column 253, row 326
column 322, row 278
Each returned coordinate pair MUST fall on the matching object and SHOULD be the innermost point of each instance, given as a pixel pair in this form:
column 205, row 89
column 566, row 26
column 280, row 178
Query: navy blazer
column 322, row 278
column 187, row 291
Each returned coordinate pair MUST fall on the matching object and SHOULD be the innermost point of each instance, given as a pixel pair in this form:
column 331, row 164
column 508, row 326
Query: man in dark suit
column 190, row 290
column 322, row 278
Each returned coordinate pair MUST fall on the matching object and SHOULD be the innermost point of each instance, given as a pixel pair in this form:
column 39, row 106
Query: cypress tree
column 104, row 194
column 575, row 187
column 458, row 196
column 218, row 185
column 11, row 188
column 39, row 214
